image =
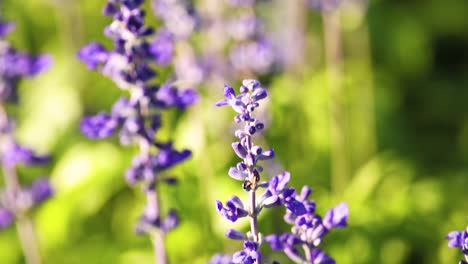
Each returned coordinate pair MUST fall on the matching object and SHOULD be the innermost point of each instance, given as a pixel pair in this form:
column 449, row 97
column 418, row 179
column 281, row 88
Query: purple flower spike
column 17, row 199
column 337, row 217
column 308, row 231
column 6, row 218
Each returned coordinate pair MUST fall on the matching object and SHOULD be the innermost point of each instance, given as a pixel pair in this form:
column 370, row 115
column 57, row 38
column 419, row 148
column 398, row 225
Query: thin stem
column 157, row 236
column 307, row 253
column 27, row 237
column 159, row 248
column 334, row 60
column 153, row 211
column 24, row 224
column 253, row 216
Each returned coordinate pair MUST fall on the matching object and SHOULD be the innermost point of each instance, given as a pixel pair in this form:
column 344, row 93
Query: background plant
column 17, row 200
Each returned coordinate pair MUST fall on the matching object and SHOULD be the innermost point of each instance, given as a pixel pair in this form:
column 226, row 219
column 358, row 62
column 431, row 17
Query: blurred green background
column 404, row 125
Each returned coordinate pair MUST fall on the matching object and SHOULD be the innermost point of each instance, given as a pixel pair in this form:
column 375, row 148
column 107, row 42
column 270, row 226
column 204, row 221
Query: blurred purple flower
column 162, row 47
column 93, row 55
column 101, row 125
column 14, row 154
column 137, row 117
column 6, row 28
column 459, row 239
column 6, row 218
column 41, row 190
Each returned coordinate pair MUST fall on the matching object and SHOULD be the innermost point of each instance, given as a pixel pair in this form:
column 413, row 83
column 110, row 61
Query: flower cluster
column 252, row 51
column 178, row 17
column 138, row 116
column 308, row 230
column 459, row 239
column 17, row 200
column 179, row 21
column 248, row 170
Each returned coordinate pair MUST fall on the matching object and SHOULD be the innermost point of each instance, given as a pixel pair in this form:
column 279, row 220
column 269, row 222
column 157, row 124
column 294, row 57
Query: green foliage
column 406, row 134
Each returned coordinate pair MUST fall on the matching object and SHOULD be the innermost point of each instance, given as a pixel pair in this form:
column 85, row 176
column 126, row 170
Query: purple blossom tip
column 17, row 154
column 41, row 190
column 101, row 125
column 188, row 97
column 275, row 241
column 259, row 94
column 236, row 235
column 278, row 182
column 305, row 193
column 6, row 28
column 169, row 96
column 295, row 207
column 250, row 254
column 221, row 102
column 251, row 84
column 171, row 221
column 162, row 47
column 170, row 157
column 93, row 55
column 229, row 92
column 110, row 9
column 39, row 64
column 234, row 209
column 237, row 174
column 240, row 151
column 318, row 256
column 337, row 217
column 457, row 238
column 6, row 218
column 267, row 154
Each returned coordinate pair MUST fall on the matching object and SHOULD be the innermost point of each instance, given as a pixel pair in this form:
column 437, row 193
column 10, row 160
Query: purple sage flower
column 6, row 218
column 137, row 116
column 459, row 239
column 248, row 171
column 16, row 200
column 308, row 231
